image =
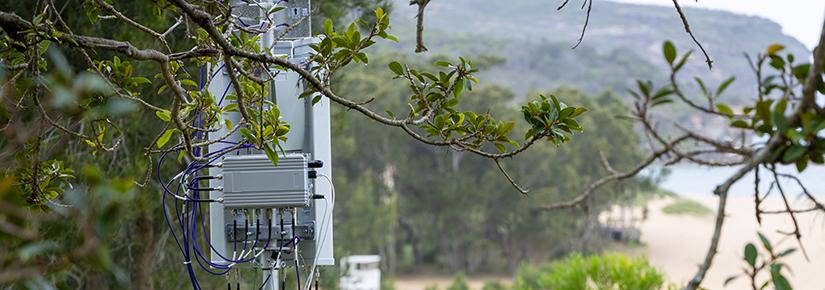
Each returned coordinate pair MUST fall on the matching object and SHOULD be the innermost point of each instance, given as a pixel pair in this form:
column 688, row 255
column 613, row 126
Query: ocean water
column 699, row 181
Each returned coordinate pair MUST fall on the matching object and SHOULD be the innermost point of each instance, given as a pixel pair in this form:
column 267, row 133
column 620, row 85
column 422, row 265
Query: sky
column 801, row 19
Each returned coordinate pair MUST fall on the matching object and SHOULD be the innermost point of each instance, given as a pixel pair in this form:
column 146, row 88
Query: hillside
column 623, row 42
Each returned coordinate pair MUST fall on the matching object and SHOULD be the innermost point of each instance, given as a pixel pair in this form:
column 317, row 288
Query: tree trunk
column 145, row 237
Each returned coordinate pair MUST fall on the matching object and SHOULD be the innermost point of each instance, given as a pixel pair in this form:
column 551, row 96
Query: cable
column 295, row 241
column 324, row 227
column 265, row 281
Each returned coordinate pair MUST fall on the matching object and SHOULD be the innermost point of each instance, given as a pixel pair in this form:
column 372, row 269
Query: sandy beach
column 677, row 243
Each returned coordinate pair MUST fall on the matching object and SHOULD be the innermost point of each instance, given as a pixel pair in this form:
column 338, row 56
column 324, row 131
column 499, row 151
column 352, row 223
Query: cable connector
column 315, row 164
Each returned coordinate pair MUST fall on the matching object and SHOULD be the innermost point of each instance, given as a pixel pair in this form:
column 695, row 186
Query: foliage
column 459, row 283
column 606, row 271
column 403, row 196
column 783, row 124
column 758, row 263
column 493, row 285
column 683, row 206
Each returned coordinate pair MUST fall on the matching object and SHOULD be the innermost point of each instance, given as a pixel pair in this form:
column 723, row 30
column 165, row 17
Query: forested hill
column 623, row 41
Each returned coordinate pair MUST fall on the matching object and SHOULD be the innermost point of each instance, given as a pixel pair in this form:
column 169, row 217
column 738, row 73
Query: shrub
column 493, row 285
column 686, row 207
column 459, row 283
column 607, row 271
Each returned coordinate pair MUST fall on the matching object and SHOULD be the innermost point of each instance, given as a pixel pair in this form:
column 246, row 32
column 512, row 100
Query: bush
column 494, row 285
column 607, row 271
column 459, row 283
column 687, row 207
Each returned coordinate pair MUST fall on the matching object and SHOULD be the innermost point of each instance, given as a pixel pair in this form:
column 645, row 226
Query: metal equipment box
column 252, row 181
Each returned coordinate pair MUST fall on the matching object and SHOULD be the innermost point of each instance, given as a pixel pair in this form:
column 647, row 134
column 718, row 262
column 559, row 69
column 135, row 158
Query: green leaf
column 787, row 252
column 246, row 133
column 164, row 115
column 682, row 61
column 362, row 57
column 740, row 124
column 188, row 82
column 801, row 71
column 271, row 154
column 442, row 63
column 396, row 68
column 505, row 128
column 750, row 254
column 328, row 27
column 730, row 279
column 702, row 86
column 765, row 242
column 141, row 80
column 458, row 87
column 724, row 109
column 572, row 124
column 763, row 110
column 165, row 138
column 779, row 280
column 724, row 85
column 801, row 164
column 669, row 51
column 578, row 112
column 500, row 147
column 779, row 115
column 793, row 153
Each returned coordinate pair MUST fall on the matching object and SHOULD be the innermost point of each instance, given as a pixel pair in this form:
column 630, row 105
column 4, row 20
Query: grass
column 683, row 206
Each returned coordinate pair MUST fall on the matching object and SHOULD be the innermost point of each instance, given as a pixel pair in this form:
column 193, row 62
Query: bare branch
column 419, row 30
column 687, row 29
column 522, row 190
column 581, row 197
column 586, row 21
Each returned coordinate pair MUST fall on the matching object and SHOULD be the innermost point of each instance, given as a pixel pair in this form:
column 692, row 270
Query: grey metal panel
column 252, row 181
column 287, row 87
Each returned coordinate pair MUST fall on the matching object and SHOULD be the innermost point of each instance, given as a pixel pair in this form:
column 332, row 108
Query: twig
column 689, row 32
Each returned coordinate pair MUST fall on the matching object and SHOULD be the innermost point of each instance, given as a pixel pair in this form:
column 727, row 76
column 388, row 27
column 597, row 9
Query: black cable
column 298, row 274
column 265, row 281
column 269, row 230
column 245, row 232
column 257, row 228
column 281, row 229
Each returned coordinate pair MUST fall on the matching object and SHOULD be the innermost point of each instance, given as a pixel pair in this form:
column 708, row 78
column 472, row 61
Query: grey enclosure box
column 252, row 181
column 292, row 22
column 296, row 14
